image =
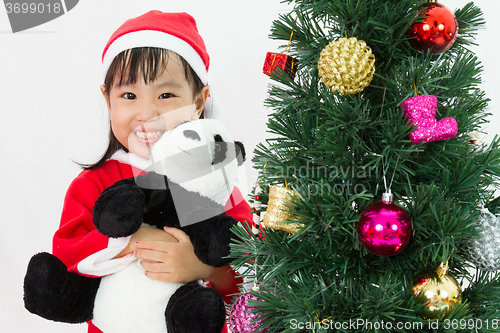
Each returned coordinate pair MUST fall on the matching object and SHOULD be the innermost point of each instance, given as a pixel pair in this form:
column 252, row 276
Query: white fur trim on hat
column 152, row 38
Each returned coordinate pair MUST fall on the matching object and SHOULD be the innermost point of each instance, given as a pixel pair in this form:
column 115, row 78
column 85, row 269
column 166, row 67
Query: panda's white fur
column 129, row 301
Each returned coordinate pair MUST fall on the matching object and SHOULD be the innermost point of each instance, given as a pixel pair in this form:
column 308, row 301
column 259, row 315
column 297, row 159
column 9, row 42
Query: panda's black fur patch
column 190, row 134
column 220, row 149
column 240, row 152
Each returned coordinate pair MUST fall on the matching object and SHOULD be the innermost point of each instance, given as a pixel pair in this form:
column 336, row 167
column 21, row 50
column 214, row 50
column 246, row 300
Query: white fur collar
column 131, row 159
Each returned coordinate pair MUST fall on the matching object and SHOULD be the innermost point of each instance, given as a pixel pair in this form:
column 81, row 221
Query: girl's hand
column 172, row 261
column 145, row 233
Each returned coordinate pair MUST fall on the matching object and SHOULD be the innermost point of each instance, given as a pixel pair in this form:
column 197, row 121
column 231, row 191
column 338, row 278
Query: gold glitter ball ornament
column 438, row 290
column 277, row 210
column 346, row 65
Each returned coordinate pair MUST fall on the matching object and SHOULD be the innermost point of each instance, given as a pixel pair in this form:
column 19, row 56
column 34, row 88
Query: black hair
column 129, row 66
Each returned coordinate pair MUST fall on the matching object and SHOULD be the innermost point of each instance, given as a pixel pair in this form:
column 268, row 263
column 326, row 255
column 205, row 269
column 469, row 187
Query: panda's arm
column 123, row 207
column 118, row 210
column 211, row 239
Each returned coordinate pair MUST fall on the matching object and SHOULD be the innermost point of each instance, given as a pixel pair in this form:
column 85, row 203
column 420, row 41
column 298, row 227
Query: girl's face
column 140, row 113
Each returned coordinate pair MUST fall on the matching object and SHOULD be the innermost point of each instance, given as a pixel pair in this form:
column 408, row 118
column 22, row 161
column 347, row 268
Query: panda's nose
column 193, row 135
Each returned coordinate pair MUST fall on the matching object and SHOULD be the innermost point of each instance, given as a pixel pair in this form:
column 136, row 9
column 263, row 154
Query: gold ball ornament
column 277, row 210
column 438, row 290
column 346, row 65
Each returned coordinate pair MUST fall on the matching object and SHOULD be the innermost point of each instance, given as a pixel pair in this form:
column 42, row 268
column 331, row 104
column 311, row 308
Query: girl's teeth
column 148, row 135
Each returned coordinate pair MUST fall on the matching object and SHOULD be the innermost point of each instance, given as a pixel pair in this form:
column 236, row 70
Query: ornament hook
column 387, row 196
column 415, row 87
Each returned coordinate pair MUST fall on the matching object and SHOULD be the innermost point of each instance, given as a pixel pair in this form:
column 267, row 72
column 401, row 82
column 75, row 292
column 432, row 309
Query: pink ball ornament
column 384, row 228
column 421, row 112
column 241, row 317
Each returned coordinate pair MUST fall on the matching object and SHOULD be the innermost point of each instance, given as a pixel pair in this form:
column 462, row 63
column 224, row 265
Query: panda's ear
column 240, row 152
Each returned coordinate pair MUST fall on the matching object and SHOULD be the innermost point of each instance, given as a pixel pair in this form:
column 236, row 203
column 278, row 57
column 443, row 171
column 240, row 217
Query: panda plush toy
column 190, row 180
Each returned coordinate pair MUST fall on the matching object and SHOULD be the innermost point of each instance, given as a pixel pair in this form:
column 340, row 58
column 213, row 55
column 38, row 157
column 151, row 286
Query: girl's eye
column 129, row 96
column 166, row 95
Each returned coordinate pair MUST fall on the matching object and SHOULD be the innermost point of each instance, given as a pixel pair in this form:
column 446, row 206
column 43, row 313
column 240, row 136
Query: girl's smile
column 148, row 137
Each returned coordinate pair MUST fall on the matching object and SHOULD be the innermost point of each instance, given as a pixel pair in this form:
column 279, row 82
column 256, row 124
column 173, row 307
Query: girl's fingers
column 152, row 245
column 155, row 267
column 169, row 261
column 151, row 255
column 164, row 277
column 156, row 271
column 178, row 234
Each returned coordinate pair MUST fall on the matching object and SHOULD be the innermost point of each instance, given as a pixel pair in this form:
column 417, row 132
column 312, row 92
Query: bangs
column 146, row 63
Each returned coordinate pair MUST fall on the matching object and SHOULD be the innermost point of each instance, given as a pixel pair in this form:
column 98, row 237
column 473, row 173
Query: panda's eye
column 193, row 135
column 220, row 149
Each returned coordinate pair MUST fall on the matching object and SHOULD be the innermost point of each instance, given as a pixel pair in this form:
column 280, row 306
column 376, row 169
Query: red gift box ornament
column 285, row 62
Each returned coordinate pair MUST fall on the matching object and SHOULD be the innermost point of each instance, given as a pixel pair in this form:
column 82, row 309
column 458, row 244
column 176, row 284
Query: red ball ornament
column 384, row 228
column 436, row 32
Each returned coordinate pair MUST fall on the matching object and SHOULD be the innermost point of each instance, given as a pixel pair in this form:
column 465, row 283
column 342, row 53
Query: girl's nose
column 146, row 111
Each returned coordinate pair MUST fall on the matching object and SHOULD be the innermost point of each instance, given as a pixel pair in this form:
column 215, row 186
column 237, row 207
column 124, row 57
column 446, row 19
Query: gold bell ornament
column 438, row 290
column 346, row 65
column 277, row 209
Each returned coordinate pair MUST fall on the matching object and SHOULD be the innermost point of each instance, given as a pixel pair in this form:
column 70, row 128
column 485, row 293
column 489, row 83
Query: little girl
column 156, row 78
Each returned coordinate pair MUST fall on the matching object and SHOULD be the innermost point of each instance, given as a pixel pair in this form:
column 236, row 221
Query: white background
column 51, row 111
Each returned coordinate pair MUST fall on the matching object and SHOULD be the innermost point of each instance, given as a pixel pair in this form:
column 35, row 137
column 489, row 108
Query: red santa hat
column 176, row 32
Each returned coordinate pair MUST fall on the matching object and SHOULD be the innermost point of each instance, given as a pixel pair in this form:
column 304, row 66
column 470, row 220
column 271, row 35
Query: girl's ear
column 103, row 92
column 201, row 99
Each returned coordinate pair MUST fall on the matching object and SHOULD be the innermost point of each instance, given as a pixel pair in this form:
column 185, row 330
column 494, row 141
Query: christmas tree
column 373, row 99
